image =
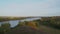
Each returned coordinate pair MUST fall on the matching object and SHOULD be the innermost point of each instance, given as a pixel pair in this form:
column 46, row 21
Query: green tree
column 5, row 27
column 26, row 22
column 21, row 24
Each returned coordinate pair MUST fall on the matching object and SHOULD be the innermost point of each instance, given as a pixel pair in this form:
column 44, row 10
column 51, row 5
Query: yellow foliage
column 32, row 24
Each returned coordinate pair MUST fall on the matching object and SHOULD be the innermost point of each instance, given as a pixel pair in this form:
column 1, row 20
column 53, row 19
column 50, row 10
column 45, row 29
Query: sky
column 29, row 7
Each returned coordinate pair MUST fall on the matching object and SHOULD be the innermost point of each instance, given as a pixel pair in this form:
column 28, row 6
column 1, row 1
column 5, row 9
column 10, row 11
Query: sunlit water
column 15, row 22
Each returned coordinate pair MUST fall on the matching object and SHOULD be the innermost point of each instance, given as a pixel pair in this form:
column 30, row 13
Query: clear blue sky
column 29, row 7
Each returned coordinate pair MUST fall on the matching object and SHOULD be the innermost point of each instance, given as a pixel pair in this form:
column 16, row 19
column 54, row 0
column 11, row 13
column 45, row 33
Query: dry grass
column 49, row 30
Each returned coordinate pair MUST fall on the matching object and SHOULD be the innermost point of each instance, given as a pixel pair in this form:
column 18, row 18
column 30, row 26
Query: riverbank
column 30, row 30
column 11, row 18
column 45, row 25
column 6, row 18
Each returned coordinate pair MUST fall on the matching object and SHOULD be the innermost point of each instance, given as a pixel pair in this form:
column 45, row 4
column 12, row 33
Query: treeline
column 11, row 18
column 51, row 21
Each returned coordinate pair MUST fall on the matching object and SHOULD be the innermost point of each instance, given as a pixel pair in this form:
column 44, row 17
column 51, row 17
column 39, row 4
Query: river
column 13, row 23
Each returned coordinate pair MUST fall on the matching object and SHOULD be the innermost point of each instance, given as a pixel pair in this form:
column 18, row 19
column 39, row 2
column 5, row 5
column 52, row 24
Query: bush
column 5, row 28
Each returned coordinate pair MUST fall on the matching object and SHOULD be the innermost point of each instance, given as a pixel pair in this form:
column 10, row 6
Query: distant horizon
column 28, row 16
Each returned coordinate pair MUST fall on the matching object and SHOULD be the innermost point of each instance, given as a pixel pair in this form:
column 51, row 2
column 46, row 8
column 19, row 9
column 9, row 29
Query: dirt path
column 28, row 30
column 49, row 30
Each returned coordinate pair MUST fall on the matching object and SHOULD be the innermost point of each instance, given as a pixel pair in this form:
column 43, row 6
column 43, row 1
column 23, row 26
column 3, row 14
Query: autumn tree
column 32, row 24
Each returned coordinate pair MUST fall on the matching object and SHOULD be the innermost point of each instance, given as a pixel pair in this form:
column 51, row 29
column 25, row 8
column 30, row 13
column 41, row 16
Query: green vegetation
column 51, row 21
column 5, row 28
column 11, row 18
column 45, row 25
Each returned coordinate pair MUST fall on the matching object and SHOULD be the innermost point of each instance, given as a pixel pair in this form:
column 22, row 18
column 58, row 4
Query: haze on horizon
column 29, row 7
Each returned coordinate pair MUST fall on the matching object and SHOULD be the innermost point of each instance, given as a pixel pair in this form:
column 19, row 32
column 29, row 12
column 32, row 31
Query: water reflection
column 15, row 22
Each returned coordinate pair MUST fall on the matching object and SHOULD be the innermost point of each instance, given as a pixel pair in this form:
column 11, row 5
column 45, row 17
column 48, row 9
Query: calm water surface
column 15, row 22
